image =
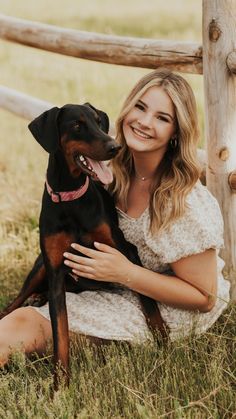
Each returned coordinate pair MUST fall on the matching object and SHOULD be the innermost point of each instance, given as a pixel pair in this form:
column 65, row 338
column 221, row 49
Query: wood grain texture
column 128, row 51
column 219, row 28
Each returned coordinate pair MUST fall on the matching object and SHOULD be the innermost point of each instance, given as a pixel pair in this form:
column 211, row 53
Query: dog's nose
column 113, row 149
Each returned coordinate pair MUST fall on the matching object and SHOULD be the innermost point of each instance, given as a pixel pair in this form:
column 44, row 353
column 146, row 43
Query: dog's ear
column 103, row 116
column 44, row 128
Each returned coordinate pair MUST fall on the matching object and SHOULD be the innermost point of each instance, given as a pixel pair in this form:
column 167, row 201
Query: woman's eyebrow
column 159, row 112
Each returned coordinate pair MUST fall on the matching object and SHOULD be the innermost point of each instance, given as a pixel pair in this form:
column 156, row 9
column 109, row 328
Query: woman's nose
column 145, row 119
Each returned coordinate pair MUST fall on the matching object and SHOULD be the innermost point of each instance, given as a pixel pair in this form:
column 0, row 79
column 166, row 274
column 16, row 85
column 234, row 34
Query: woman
column 165, row 211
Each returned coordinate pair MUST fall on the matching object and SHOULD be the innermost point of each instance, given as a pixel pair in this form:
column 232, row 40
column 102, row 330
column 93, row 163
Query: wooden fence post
column 219, row 29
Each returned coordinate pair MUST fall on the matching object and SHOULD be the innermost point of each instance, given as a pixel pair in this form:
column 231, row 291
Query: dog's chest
column 102, row 233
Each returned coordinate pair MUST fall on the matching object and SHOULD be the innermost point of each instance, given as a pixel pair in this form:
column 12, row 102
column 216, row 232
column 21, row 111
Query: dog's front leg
column 53, row 247
column 58, row 315
column 35, row 281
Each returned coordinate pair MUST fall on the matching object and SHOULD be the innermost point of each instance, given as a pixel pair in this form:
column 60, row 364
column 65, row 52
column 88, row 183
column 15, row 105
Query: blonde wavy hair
column 179, row 169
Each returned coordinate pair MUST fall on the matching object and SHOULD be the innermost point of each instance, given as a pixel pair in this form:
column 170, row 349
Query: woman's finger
column 74, row 265
column 106, row 248
column 85, row 250
column 83, row 274
column 78, row 259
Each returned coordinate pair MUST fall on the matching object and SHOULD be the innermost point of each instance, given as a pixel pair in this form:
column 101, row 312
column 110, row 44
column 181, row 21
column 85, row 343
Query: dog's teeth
column 85, row 163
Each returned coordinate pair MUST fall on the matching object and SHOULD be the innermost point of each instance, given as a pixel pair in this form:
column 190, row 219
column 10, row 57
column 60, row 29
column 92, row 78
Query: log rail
column 127, row 51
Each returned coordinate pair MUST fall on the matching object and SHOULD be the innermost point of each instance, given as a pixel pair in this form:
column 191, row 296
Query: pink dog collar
column 67, row 196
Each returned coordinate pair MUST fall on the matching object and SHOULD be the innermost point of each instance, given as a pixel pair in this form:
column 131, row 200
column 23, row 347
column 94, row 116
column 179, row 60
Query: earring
column 173, row 142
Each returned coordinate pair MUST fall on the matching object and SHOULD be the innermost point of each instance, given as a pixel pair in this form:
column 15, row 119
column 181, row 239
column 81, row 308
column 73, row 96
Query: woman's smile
column 140, row 133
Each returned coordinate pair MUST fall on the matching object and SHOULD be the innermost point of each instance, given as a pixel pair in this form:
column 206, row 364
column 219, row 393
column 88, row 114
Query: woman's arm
column 193, row 287
column 200, row 271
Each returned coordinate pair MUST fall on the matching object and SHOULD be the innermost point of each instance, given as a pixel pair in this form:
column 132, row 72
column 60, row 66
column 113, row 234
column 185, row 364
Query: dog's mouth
column 98, row 170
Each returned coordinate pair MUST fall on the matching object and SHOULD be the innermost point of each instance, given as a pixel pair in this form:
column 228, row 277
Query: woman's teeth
column 141, row 134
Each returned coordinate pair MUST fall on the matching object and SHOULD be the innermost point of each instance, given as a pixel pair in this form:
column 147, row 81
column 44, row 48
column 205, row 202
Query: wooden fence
column 216, row 60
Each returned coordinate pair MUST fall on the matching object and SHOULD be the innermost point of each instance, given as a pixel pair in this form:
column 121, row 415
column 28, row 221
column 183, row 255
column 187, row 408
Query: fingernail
column 73, row 245
column 65, row 255
column 96, row 243
column 66, row 262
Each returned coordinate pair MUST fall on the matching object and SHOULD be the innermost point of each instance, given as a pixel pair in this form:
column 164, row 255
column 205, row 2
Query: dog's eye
column 77, row 125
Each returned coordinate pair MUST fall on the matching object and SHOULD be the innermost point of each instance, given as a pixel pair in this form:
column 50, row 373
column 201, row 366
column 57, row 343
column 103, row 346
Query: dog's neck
column 60, row 196
column 59, row 176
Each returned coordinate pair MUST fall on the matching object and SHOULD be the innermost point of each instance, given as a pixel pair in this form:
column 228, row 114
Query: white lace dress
column 118, row 315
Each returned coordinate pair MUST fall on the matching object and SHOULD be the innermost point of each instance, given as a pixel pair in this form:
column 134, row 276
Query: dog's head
column 80, row 133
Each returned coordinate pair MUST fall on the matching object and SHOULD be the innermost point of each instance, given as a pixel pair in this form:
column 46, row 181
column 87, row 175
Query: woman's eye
column 163, row 118
column 139, row 106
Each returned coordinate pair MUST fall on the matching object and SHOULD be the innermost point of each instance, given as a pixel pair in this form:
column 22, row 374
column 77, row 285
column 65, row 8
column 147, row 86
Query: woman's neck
column 145, row 166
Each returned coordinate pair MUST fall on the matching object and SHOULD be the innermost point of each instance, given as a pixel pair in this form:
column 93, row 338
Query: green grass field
column 193, row 378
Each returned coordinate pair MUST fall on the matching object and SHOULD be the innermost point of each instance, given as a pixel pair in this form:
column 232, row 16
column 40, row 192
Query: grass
column 193, row 378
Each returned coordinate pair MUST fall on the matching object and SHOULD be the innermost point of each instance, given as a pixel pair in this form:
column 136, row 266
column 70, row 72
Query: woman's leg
column 24, row 329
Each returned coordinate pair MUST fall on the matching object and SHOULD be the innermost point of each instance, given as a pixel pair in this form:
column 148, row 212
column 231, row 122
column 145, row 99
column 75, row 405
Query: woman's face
column 150, row 124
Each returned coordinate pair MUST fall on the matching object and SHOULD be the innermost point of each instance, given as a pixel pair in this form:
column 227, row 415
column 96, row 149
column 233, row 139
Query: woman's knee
column 20, row 316
column 24, row 329
column 27, row 318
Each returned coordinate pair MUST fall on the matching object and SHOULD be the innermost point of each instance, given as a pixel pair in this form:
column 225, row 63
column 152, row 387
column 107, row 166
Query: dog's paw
column 37, row 300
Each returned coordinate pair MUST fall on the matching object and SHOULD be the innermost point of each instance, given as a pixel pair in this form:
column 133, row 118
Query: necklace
column 143, row 178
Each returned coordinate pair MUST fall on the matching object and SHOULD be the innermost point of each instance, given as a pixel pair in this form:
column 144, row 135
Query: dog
column 75, row 208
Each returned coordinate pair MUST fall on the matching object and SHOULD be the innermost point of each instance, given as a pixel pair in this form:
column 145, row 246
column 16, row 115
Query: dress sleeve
column 201, row 228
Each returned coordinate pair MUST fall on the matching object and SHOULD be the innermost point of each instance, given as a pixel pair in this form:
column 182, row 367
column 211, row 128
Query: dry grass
column 194, row 378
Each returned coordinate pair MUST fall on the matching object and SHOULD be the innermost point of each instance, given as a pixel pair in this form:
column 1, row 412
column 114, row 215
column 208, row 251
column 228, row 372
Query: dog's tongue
column 102, row 171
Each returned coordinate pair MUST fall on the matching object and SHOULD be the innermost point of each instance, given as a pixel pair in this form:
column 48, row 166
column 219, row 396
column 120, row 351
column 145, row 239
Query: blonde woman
column 166, row 212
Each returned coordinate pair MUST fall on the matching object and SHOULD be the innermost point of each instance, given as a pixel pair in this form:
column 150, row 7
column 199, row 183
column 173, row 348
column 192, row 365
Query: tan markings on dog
column 37, row 278
column 101, row 234
column 69, row 149
column 56, row 245
column 72, row 147
column 25, row 292
column 80, row 147
column 95, row 150
column 63, row 338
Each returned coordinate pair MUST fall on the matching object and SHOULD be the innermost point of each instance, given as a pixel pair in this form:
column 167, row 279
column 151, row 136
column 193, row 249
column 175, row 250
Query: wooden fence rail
column 128, row 51
column 26, row 106
column 21, row 104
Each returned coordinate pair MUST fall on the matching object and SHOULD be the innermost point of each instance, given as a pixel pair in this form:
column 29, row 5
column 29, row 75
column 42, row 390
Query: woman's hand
column 105, row 264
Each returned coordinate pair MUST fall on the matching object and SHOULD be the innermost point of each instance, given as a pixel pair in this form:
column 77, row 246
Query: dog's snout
column 113, row 149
